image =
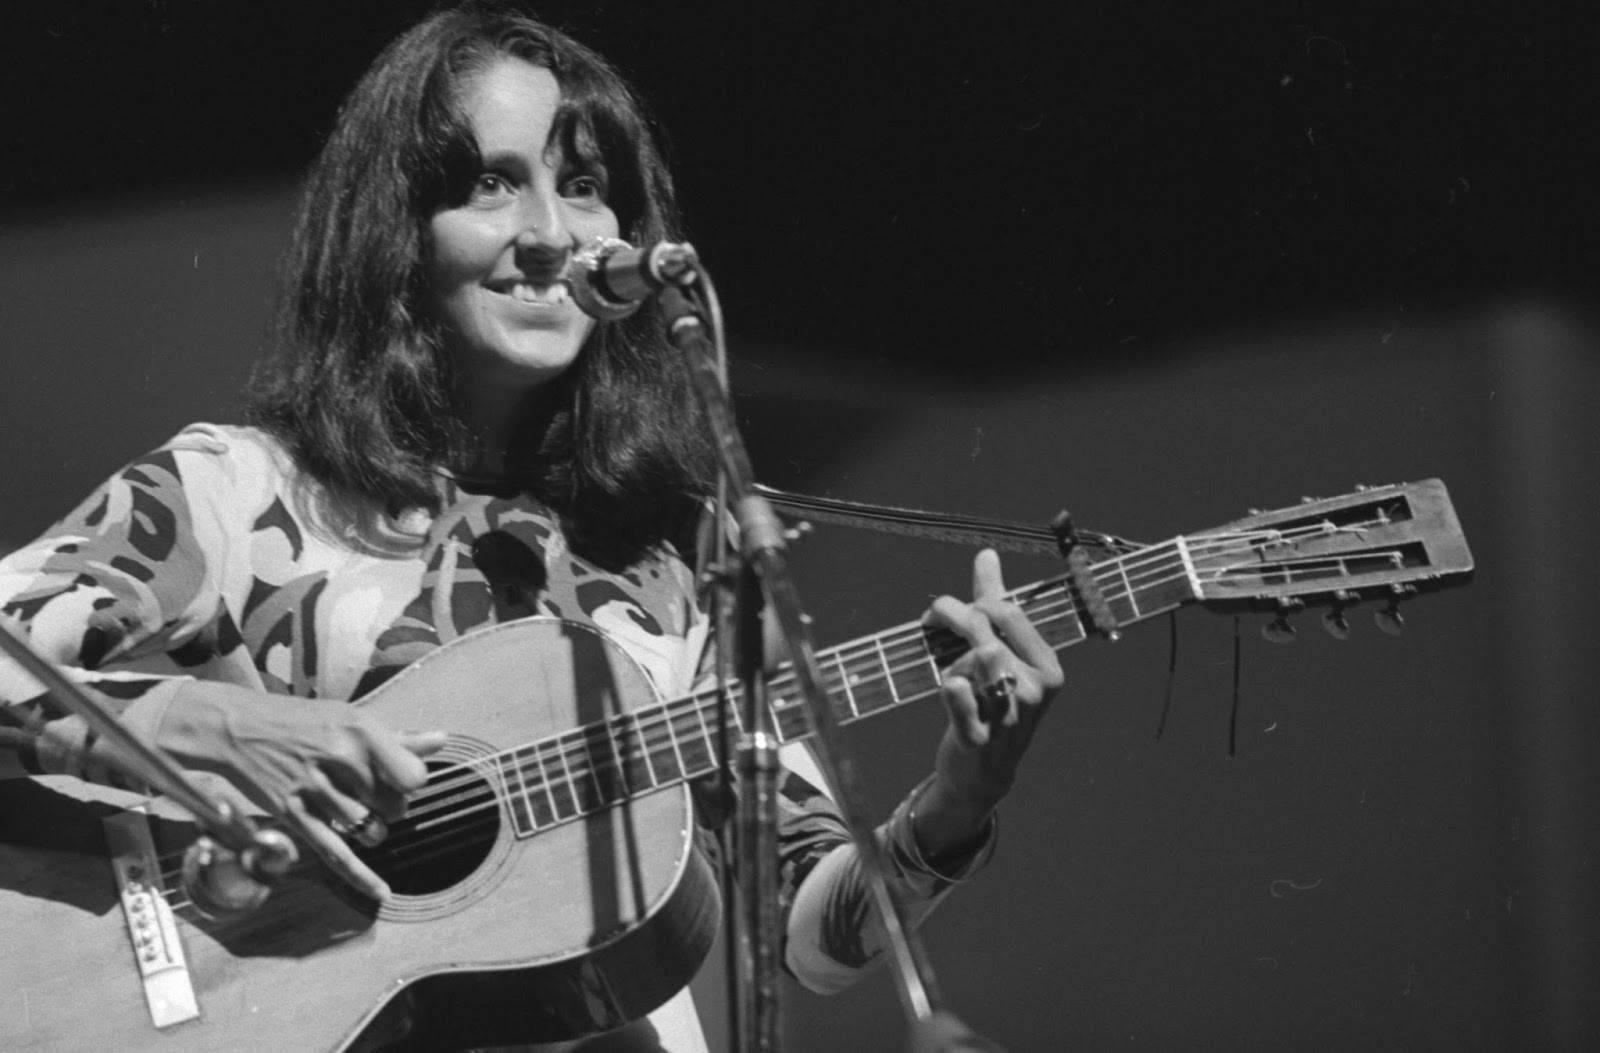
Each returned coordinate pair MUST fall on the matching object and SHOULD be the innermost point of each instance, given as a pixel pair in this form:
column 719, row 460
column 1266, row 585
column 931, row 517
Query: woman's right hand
column 315, row 764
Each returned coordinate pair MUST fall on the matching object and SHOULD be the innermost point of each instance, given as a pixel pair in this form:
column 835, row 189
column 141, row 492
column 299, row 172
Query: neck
column 506, row 426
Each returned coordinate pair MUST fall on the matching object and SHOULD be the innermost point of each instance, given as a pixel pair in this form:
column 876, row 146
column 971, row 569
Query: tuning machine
column 1389, row 620
column 1278, row 630
column 1335, row 620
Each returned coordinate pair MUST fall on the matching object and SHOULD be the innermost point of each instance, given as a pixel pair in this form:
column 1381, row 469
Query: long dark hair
column 359, row 387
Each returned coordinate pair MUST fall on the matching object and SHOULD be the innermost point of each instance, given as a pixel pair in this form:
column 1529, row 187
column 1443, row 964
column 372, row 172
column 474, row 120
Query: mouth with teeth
column 553, row 294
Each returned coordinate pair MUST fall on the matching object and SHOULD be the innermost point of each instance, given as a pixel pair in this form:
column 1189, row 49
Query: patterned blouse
column 215, row 558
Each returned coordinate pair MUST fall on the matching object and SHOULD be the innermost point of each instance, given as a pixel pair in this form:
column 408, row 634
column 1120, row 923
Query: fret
column 606, row 788
column 525, row 803
column 1163, row 589
column 888, row 674
column 517, row 803
column 1182, row 544
column 665, row 719
column 586, row 791
column 611, row 731
column 911, row 679
column 639, row 773
column 1053, row 614
column 564, row 785
column 701, row 744
column 844, row 680
column 789, row 718
column 870, row 691
column 1133, row 600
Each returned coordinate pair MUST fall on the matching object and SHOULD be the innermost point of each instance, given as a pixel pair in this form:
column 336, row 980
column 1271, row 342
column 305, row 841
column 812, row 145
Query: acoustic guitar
column 546, row 879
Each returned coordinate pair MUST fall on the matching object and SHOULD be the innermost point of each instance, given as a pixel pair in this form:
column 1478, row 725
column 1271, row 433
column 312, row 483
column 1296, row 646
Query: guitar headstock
column 1380, row 542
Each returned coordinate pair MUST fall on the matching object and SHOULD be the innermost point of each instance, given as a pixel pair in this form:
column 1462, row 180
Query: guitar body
column 570, row 929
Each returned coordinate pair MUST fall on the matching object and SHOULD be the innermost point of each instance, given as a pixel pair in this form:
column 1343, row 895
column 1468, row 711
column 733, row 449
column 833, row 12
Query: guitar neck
column 1383, row 542
column 592, row 767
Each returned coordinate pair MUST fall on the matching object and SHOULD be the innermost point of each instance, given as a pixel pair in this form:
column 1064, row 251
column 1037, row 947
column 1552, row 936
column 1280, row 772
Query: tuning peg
column 799, row 532
column 1278, row 630
column 1336, row 623
column 1390, row 620
column 1335, row 620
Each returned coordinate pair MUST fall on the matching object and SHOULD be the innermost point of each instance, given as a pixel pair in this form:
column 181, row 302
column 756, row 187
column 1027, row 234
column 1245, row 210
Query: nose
column 543, row 237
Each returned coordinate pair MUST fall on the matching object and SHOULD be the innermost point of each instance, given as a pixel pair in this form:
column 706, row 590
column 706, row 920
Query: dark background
column 1154, row 263
column 1099, row 175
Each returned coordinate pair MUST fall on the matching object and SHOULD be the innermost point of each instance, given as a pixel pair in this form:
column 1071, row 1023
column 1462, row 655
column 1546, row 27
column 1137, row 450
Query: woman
column 443, row 442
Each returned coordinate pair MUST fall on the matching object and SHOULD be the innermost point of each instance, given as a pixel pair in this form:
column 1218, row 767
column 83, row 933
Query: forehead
column 512, row 105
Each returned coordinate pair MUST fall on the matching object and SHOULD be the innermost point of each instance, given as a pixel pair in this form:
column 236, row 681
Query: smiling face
column 499, row 254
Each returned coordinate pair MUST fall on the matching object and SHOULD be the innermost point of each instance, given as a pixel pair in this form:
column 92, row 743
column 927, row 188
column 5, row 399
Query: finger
column 987, row 583
column 331, row 804
column 393, row 762
column 241, row 802
column 966, row 621
column 334, row 852
column 966, row 716
column 1024, row 639
column 999, row 700
column 424, row 743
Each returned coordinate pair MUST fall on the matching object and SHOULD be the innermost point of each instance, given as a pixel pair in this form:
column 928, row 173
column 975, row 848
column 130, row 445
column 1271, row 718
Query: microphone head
column 586, row 277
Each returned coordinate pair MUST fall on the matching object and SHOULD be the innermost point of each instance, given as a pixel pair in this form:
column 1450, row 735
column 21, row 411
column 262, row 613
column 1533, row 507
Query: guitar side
column 586, row 925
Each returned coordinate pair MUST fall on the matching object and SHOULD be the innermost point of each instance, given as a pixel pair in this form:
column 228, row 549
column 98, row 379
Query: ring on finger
column 368, row 831
column 1001, row 690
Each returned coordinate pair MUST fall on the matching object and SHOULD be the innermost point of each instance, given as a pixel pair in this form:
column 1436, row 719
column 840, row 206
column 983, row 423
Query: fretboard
column 593, row 767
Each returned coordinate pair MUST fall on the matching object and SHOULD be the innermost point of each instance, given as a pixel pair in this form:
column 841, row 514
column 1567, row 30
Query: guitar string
column 640, row 722
column 420, row 849
column 648, row 720
column 652, row 732
column 660, row 718
column 659, row 722
column 643, row 723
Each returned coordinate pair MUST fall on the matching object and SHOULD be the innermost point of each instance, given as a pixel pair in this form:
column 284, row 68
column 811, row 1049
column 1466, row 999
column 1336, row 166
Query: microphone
column 611, row 278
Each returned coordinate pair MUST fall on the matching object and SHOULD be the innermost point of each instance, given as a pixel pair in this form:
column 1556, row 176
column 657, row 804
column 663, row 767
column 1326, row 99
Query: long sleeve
column 119, row 580
column 833, row 934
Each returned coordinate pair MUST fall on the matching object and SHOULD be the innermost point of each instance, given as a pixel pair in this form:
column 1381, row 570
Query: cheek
column 456, row 252
column 602, row 224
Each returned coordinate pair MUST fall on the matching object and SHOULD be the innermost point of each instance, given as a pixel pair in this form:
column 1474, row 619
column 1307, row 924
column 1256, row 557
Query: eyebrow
column 504, row 159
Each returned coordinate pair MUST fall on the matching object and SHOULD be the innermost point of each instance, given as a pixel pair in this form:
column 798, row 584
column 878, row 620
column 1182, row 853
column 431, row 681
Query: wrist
column 947, row 823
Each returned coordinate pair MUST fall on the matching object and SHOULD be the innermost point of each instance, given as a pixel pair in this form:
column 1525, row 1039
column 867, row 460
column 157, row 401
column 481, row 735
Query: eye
column 587, row 187
column 491, row 186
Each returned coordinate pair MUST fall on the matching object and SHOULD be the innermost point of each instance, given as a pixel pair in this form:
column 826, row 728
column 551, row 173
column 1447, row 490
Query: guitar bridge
column 168, row 989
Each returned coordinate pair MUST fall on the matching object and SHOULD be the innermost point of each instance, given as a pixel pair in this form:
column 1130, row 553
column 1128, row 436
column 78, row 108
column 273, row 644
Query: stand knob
column 222, row 885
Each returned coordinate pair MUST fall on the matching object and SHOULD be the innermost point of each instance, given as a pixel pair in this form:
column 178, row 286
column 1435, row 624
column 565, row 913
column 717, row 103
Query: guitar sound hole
column 446, row 834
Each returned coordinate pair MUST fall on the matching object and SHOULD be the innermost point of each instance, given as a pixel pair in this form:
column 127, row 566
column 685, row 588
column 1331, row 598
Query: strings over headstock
column 1381, row 543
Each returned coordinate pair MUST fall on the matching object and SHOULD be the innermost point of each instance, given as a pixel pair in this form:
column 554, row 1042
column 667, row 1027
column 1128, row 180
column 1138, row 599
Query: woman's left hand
column 995, row 694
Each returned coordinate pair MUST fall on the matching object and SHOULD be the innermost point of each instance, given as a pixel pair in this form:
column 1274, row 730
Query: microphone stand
column 764, row 571
column 226, row 871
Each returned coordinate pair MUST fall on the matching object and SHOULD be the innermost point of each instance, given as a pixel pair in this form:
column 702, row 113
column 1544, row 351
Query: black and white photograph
column 579, row 526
